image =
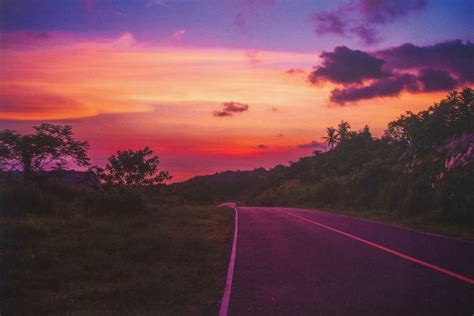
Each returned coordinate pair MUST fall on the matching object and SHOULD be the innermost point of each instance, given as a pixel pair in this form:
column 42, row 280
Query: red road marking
column 393, row 252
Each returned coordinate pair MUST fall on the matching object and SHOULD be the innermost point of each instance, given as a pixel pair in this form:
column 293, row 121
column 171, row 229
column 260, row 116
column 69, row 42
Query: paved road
column 299, row 262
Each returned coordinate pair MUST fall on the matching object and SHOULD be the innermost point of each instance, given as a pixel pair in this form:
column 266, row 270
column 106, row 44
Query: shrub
column 19, row 198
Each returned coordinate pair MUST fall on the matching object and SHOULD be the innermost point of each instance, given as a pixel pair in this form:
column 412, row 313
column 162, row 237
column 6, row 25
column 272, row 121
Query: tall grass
column 92, row 251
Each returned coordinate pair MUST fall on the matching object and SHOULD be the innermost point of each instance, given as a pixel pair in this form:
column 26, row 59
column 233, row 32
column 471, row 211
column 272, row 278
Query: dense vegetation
column 108, row 241
column 422, row 166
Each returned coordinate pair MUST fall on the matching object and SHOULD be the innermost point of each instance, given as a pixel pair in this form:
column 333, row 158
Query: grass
column 168, row 261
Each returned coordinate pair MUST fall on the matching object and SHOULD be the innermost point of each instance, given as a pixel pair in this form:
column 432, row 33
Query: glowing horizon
column 129, row 89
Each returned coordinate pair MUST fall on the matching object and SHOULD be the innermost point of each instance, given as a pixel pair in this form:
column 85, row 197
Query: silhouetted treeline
column 224, row 186
column 423, row 163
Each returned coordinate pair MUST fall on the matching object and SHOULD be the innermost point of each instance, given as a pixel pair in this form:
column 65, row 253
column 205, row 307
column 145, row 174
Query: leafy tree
column 437, row 147
column 50, row 146
column 343, row 131
column 452, row 116
column 365, row 131
column 423, row 136
column 132, row 168
column 331, row 139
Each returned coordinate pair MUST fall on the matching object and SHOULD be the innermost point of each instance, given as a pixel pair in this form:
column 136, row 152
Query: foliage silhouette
column 331, row 138
column 50, row 146
column 423, row 164
column 133, row 169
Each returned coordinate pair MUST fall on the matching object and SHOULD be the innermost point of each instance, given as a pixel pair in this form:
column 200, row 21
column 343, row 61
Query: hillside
column 422, row 166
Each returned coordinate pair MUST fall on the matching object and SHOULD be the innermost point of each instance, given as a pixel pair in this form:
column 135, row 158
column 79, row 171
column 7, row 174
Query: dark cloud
column 386, row 87
column 363, row 18
column 312, row 144
column 368, row 35
column 453, row 56
column 385, row 11
column 221, row 113
column 365, row 75
column 436, row 80
column 262, row 146
column 329, row 22
column 345, row 65
column 229, row 108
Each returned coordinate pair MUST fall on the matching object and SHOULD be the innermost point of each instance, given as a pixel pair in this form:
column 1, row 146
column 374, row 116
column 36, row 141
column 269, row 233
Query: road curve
column 299, row 262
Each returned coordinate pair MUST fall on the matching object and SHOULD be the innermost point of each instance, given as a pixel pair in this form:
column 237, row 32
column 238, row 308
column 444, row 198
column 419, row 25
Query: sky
column 226, row 84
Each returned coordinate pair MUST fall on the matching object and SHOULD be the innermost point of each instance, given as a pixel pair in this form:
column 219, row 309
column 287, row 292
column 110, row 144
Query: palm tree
column 343, row 131
column 331, row 139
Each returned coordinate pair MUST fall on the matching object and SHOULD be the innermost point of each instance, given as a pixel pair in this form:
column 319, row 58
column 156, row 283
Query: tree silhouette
column 365, row 131
column 331, row 139
column 132, row 168
column 50, row 146
column 343, row 131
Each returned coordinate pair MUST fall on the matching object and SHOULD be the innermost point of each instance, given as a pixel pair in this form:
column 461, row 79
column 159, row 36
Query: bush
column 113, row 200
column 19, row 198
column 42, row 196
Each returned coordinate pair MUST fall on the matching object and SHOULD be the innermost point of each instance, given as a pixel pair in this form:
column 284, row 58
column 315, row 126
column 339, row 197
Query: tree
column 50, row 146
column 343, row 131
column 132, row 168
column 331, row 139
column 365, row 131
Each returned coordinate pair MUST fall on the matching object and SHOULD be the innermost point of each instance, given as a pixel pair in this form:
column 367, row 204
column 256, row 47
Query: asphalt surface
column 288, row 266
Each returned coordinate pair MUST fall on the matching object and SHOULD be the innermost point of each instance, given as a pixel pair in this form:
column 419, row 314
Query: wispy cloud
column 125, row 40
column 178, row 34
column 250, row 9
column 363, row 18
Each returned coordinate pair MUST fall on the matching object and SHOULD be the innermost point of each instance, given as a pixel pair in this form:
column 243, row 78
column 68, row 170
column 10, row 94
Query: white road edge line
column 391, row 251
column 224, row 309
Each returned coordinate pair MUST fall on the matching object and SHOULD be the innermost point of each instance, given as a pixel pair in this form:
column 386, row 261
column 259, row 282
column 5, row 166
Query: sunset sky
column 226, row 84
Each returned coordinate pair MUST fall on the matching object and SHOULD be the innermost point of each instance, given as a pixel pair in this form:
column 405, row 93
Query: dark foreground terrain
column 169, row 260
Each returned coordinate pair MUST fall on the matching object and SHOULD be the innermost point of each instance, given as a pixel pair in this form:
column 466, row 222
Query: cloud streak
column 311, row 144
